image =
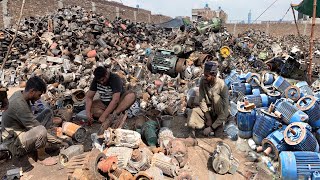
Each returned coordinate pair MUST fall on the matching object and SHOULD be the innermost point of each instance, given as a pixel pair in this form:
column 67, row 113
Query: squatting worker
column 214, row 102
column 22, row 132
column 113, row 99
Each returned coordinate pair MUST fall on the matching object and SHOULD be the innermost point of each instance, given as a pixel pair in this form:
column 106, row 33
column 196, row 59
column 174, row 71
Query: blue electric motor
column 274, row 143
column 254, row 80
column 265, row 124
column 245, row 121
column 268, row 78
column 311, row 107
column 244, row 88
column 299, row 137
column 233, row 77
column 273, row 96
column 317, row 134
column 293, row 93
column 317, row 95
column 260, row 100
column 305, row 89
column 289, row 112
column 281, row 84
column 244, row 77
column 298, row 165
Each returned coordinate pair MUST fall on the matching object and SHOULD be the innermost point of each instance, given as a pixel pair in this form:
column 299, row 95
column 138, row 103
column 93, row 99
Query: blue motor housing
column 317, row 95
column 289, row 112
column 305, row 89
column 281, row 84
column 245, row 121
column 233, row 77
column 273, row 96
column 268, row 78
column 265, row 124
column 315, row 176
column 244, row 77
column 299, row 137
column 254, row 80
column 274, row 143
column 260, row 100
column 311, row 107
column 298, row 165
column 244, row 88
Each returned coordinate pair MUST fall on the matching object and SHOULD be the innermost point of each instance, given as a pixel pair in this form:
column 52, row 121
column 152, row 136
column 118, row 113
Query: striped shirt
column 114, row 85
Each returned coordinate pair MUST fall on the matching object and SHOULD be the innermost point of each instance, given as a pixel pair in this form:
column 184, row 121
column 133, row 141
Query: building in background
column 206, row 14
column 249, row 17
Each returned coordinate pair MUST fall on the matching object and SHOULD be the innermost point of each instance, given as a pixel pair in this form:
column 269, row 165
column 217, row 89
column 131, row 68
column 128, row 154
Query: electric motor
column 298, row 165
column 268, row 78
column 265, row 124
column 244, row 88
column 231, row 78
column 260, row 100
column 305, row 89
column 273, row 96
column 298, row 135
column 164, row 61
column 223, row 160
column 289, row 112
column 281, row 84
column 293, row 93
column 274, row 143
column 245, row 121
column 311, row 107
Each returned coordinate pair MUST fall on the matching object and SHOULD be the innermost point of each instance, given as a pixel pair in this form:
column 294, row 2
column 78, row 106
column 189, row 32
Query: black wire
column 264, row 11
column 285, row 14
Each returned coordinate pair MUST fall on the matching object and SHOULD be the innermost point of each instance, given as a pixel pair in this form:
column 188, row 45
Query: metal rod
column 14, row 37
column 311, row 40
column 295, row 21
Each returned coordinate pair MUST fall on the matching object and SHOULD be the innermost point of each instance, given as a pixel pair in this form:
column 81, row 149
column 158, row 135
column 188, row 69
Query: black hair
column 182, row 28
column 37, row 84
column 100, row 72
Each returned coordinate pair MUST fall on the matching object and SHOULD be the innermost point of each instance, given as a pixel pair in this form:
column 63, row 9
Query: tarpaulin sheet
column 306, row 7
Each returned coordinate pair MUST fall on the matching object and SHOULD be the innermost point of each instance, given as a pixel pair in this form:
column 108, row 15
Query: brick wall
column 108, row 9
column 1, row 17
column 275, row 29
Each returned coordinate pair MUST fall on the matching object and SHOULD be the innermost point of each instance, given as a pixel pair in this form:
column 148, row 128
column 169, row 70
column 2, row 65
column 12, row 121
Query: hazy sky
column 236, row 9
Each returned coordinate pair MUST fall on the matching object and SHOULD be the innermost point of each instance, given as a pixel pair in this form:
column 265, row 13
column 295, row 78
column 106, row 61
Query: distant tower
column 207, row 6
column 249, row 17
column 137, row 6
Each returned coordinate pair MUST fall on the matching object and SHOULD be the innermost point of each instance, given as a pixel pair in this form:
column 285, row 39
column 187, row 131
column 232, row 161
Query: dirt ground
column 199, row 157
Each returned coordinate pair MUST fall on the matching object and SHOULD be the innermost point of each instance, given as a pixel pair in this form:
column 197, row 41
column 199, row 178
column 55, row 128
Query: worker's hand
column 207, row 131
column 90, row 118
column 102, row 118
column 208, row 122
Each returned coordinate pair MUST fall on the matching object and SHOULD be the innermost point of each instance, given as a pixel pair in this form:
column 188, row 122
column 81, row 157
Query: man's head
column 210, row 71
column 35, row 88
column 101, row 75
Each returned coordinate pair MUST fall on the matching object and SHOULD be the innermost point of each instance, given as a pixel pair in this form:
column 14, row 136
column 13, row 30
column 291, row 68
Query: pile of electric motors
column 282, row 117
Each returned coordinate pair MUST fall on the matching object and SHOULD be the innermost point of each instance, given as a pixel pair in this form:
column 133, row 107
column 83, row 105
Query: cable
column 264, row 11
column 285, row 14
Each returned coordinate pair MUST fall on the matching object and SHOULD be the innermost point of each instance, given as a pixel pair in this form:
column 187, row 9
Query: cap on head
column 211, row 67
